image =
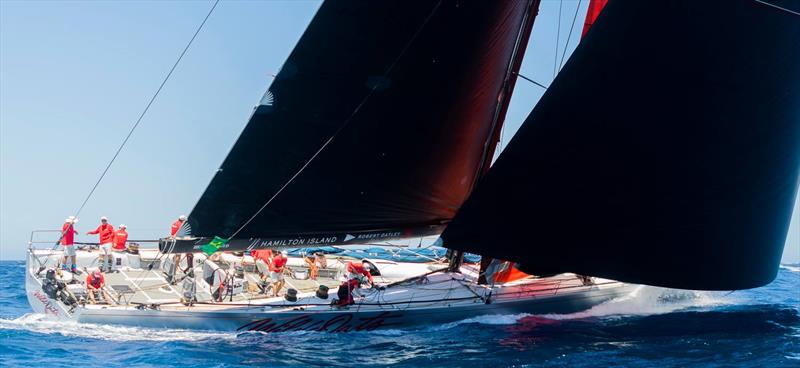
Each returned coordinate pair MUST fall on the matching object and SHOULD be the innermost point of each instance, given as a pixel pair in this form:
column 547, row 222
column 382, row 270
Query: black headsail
column 379, row 121
column 667, row 152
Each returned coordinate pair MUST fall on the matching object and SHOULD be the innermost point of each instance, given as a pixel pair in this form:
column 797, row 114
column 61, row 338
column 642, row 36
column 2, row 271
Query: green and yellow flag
column 213, row 246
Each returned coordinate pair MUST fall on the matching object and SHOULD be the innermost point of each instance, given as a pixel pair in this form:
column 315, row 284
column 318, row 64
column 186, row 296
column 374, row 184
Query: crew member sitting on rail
column 120, row 237
column 276, row 271
column 106, row 232
column 95, row 283
column 360, row 272
column 68, row 242
column 173, row 232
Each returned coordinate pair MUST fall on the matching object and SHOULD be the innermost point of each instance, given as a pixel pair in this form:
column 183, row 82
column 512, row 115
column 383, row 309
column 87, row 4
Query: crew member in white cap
column 68, row 242
column 360, row 271
column 120, row 237
column 106, row 232
column 177, row 225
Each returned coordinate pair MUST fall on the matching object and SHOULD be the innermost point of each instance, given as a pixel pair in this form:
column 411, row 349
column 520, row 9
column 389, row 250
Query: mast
column 457, row 257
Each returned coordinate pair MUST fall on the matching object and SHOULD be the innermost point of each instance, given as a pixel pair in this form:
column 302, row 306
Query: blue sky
column 75, row 75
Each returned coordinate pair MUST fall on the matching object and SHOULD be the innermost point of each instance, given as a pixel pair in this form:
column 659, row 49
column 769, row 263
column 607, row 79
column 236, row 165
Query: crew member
column 311, row 262
column 95, row 283
column 360, row 272
column 120, row 237
column 263, row 256
column 177, row 225
column 68, row 242
column 173, row 233
column 321, row 260
column 106, row 232
column 276, row 271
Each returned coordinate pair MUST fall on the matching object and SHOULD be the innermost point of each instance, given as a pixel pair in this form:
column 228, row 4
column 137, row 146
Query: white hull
column 443, row 298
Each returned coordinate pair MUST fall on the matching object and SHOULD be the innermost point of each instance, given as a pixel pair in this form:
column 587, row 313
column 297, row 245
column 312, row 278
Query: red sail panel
column 511, row 273
column 595, row 7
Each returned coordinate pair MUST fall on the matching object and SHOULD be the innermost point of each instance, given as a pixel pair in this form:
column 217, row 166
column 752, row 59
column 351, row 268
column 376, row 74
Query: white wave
column 489, row 319
column 792, row 268
column 39, row 323
column 647, row 300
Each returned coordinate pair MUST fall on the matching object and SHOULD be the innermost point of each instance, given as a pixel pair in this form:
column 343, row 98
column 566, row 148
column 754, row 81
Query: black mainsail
column 667, row 152
column 379, row 120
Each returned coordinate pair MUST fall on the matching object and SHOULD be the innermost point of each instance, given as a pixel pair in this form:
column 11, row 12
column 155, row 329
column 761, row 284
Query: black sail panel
column 667, row 152
column 401, row 95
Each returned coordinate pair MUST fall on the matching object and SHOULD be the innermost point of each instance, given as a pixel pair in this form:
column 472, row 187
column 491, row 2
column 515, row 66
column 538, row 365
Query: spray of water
column 643, row 300
column 39, row 323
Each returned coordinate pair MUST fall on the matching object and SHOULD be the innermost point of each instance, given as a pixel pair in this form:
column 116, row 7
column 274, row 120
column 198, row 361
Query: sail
column 379, row 122
column 666, row 152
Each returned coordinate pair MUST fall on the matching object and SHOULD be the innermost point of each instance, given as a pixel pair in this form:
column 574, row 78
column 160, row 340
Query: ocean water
column 651, row 327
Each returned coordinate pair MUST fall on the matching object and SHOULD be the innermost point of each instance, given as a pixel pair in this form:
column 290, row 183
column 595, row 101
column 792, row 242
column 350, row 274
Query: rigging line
column 152, row 99
column 558, row 38
column 532, row 81
column 346, row 122
column 566, row 45
column 778, row 7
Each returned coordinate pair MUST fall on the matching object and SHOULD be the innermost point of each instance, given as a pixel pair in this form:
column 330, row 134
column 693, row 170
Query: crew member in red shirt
column 120, row 237
column 173, row 232
column 276, row 271
column 95, row 283
column 68, row 242
column 106, row 232
column 262, row 256
column 359, row 271
column 177, row 225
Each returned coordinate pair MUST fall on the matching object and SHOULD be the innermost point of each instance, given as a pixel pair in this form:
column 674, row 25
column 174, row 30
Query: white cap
column 71, row 220
column 68, row 220
column 182, row 217
column 284, row 253
column 122, row 225
column 103, row 218
column 71, row 217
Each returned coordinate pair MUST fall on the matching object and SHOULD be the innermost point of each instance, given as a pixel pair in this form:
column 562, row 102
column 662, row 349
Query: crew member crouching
column 95, row 283
column 357, row 274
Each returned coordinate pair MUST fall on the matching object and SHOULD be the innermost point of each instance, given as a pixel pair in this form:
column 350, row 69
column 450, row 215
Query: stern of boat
column 34, row 275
